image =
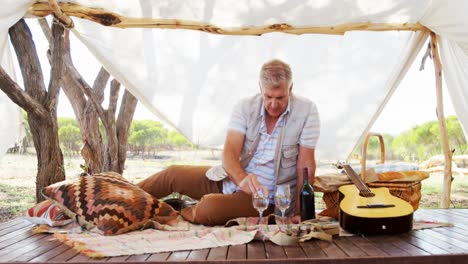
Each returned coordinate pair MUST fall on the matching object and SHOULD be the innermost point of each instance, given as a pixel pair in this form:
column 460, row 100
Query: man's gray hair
column 275, row 72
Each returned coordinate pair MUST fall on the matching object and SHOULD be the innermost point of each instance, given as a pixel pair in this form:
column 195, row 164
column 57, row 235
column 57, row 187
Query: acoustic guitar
column 372, row 211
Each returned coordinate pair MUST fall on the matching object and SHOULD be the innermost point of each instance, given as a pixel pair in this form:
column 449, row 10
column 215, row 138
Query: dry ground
column 18, row 172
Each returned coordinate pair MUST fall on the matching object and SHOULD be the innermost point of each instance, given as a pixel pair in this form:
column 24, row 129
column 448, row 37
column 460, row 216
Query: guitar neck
column 362, row 187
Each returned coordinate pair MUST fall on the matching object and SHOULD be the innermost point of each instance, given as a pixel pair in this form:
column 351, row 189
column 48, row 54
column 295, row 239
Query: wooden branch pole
column 112, row 19
column 447, row 184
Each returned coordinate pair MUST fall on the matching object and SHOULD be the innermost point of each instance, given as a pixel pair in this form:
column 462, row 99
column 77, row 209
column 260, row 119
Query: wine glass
column 260, row 202
column 282, row 198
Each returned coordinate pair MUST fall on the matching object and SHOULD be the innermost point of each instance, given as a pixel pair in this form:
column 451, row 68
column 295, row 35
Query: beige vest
column 287, row 148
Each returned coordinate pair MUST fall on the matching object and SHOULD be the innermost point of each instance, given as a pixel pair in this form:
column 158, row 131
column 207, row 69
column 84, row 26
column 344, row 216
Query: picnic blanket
column 182, row 235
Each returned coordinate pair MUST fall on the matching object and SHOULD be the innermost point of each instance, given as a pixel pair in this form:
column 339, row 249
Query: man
column 271, row 137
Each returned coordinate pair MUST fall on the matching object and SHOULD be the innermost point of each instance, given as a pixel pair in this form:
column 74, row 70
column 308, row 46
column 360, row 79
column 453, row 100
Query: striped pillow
column 47, row 213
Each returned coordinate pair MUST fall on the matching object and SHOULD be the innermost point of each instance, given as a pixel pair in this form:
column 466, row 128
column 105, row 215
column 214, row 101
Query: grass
column 14, row 200
column 18, row 176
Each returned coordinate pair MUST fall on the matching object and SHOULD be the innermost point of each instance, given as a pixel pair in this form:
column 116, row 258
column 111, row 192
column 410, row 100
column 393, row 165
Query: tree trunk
column 86, row 103
column 124, row 121
column 39, row 103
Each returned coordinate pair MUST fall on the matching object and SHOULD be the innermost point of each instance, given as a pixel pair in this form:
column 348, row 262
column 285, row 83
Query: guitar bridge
column 376, row 206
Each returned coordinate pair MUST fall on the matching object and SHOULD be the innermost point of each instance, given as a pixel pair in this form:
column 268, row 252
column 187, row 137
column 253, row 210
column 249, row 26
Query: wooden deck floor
column 438, row 245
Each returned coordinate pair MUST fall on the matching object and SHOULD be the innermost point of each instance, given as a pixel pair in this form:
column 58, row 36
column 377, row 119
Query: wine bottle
column 307, row 198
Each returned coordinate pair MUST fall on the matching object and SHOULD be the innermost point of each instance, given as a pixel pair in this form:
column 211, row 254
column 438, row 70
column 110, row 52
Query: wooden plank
column 385, row 244
column 422, row 244
column 256, row 250
column 179, row 255
column 83, row 258
column 64, row 256
column 27, row 240
column 118, row 259
column 442, row 217
column 366, row 245
column 331, row 249
column 15, row 239
column 16, row 250
column 439, row 243
column 159, row 256
column 218, row 253
column 450, row 216
column 138, row 258
column 449, row 239
column 13, row 233
column 312, row 249
column 274, row 251
column 13, row 222
column 43, row 258
column 349, row 247
column 16, row 228
column 454, row 232
column 293, row 252
column 44, row 248
column 408, row 247
column 199, row 254
column 237, row 252
column 459, row 211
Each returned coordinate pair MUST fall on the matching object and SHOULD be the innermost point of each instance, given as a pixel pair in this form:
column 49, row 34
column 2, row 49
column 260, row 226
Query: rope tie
column 59, row 16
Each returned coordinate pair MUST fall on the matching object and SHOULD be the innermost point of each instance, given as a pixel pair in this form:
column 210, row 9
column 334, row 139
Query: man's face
column 276, row 98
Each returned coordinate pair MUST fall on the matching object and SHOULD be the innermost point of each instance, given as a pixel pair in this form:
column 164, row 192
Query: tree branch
column 45, row 29
column 56, row 72
column 100, row 84
column 114, row 96
column 21, row 38
column 84, row 86
column 20, row 97
column 112, row 19
column 123, row 124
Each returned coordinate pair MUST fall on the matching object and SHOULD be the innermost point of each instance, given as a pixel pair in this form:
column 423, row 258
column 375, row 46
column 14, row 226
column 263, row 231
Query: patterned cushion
column 47, row 213
column 107, row 203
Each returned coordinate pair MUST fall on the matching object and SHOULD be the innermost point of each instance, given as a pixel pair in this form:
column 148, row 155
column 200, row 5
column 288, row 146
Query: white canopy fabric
column 10, row 115
column 192, row 79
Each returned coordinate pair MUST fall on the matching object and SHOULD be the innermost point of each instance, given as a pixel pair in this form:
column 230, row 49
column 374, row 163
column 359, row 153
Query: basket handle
column 364, row 152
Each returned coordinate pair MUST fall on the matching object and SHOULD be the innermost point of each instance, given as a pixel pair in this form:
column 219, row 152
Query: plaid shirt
column 262, row 163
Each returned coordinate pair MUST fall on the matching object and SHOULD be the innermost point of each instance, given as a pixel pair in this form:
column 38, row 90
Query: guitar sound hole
column 366, row 194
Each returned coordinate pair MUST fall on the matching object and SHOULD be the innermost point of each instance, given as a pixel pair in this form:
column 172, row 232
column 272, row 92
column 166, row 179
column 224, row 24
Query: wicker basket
column 409, row 191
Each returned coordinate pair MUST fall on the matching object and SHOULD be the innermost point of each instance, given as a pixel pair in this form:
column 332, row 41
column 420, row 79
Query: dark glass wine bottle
column 307, row 198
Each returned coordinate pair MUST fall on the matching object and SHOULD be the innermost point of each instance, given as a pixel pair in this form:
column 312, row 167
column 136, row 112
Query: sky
column 413, row 103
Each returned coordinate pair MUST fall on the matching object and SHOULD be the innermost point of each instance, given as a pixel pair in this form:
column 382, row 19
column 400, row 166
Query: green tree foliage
column 457, row 139
column 69, row 134
column 419, row 143
column 423, row 141
column 70, row 137
column 178, row 140
column 147, row 136
column 67, row 121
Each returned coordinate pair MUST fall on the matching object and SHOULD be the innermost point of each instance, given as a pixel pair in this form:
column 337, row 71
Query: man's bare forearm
column 233, row 168
column 231, row 155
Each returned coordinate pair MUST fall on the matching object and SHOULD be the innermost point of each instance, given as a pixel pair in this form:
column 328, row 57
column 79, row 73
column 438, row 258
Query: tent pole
column 447, row 183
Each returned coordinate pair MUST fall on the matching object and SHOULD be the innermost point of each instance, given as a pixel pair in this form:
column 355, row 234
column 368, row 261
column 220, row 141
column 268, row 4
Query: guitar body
column 395, row 216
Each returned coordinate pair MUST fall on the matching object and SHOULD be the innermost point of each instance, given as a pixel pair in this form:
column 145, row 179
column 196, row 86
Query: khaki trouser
column 214, row 207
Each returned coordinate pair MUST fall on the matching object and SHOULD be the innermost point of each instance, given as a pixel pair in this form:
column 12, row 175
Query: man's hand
column 250, row 184
column 296, row 219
